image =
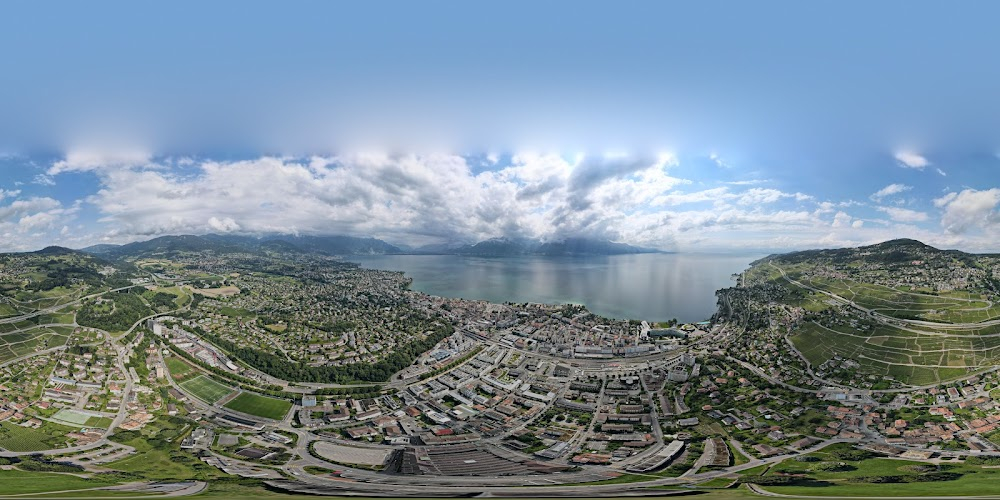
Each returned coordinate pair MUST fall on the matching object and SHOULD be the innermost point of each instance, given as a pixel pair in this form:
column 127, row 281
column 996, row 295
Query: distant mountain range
column 332, row 245
column 510, row 247
column 349, row 245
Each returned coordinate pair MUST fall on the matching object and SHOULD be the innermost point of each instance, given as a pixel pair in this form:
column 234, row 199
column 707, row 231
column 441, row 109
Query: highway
column 52, row 309
column 372, row 483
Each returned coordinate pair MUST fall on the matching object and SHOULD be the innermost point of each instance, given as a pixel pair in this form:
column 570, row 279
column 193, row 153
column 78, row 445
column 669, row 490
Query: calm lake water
column 654, row 287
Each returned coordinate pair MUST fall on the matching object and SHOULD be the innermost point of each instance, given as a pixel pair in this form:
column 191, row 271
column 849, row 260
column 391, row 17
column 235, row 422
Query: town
column 313, row 374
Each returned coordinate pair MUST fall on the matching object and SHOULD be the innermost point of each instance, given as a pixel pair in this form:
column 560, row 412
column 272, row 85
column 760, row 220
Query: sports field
column 261, row 406
column 206, row 389
column 72, row 417
column 179, row 369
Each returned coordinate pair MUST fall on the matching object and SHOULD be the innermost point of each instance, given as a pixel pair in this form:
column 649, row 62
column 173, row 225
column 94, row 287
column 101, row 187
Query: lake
column 654, row 287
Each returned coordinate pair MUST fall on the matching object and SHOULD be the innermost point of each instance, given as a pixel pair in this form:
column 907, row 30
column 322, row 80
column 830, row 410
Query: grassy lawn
column 99, row 494
column 16, row 482
column 182, row 297
column 719, row 482
column 261, row 406
column 158, row 464
column 738, row 458
column 973, row 480
column 206, row 389
column 242, row 489
column 235, row 312
column 158, row 455
column 101, row 422
column 179, row 369
column 622, row 479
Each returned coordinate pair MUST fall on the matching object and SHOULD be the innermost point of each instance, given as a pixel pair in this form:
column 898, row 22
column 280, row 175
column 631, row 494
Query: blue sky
column 681, row 125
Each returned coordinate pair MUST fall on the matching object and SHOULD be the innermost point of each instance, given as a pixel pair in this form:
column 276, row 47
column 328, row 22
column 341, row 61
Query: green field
column 206, row 389
column 182, row 297
column 158, row 455
column 972, row 479
column 179, row 369
column 261, row 406
column 99, row 422
column 719, row 482
column 234, row 312
column 16, row 482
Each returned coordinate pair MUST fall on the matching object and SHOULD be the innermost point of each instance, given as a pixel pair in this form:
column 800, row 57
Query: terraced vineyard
column 956, row 306
column 918, row 356
column 16, row 438
column 920, row 317
column 14, row 345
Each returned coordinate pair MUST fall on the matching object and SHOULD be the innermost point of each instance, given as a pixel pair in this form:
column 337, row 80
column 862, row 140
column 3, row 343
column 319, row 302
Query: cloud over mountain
column 433, row 198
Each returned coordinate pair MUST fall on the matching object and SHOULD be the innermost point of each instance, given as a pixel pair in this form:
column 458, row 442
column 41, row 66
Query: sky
column 687, row 126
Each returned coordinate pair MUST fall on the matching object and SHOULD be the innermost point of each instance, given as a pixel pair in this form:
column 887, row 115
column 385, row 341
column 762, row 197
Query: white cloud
column 44, row 180
column 903, row 214
column 944, row 200
column 941, row 172
column 23, row 222
column 423, row 198
column 224, row 225
column 890, row 190
column 909, row 159
column 757, row 196
column 19, row 208
column 420, row 199
column 88, row 160
column 9, row 194
column 676, row 198
column 718, row 161
column 841, row 220
column 969, row 209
